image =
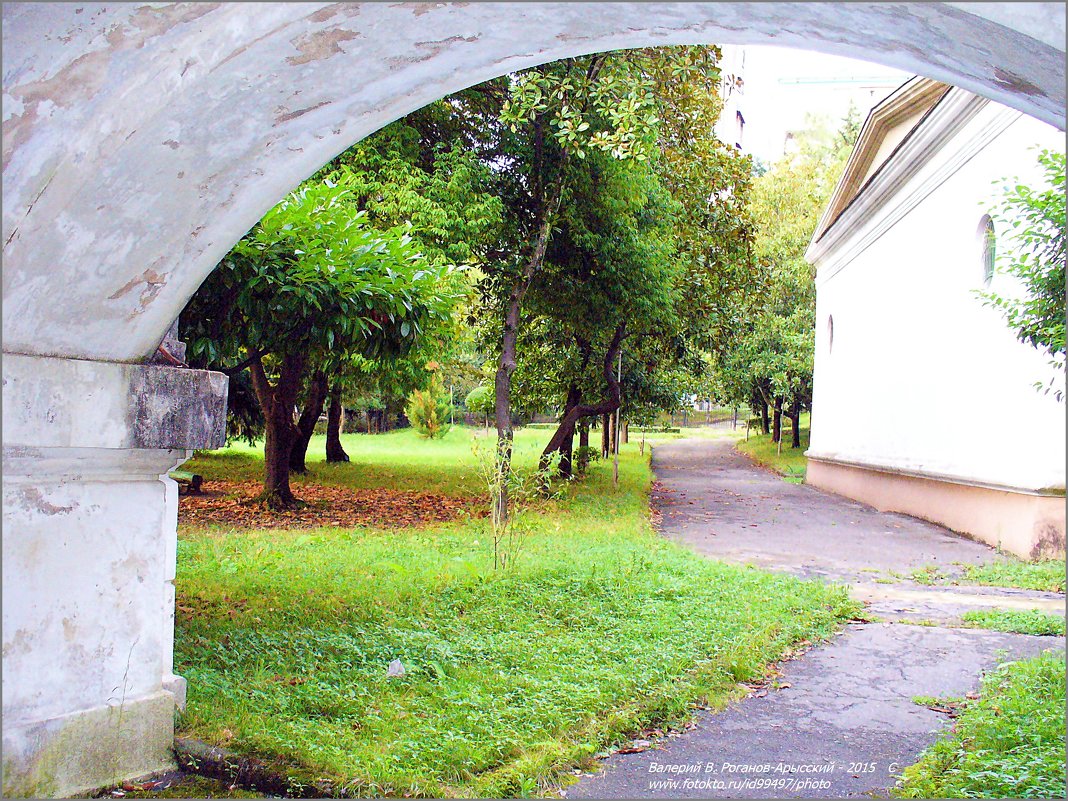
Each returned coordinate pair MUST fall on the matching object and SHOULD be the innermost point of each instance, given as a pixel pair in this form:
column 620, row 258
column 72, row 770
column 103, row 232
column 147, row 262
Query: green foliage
column 513, row 677
column 313, row 278
column 481, row 400
column 767, row 351
column 1045, row 576
column 584, row 456
column 428, row 410
column 636, row 241
column 1035, row 218
column 790, row 462
column 1007, row 571
column 1007, row 744
column 1018, row 621
column 510, row 532
column 439, row 191
column 606, row 102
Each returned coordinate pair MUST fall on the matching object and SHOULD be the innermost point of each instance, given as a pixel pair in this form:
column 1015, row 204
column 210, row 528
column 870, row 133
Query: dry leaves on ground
column 228, row 503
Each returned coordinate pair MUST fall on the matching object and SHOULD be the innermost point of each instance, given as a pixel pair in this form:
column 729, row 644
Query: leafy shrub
column 428, row 410
column 481, row 400
column 583, row 457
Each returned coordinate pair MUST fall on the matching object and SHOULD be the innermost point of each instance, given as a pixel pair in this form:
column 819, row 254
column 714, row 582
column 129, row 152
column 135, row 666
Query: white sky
column 782, row 84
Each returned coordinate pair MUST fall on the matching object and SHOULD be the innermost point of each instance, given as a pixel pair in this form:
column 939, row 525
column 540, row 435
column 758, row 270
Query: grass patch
column 601, row 629
column 1047, row 576
column 397, row 459
column 1007, row 571
column 1017, row 621
column 936, row 700
column 791, row 463
column 187, row 786
column 1007, row 744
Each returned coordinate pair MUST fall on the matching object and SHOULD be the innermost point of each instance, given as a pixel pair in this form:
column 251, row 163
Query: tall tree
column 308, row 284
column 768, row 355
column 600, row 103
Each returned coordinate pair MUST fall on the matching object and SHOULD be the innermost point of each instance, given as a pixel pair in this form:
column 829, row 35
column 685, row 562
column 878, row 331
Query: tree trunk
column 278, row 403
column 335, row 417
column 606, row 436
column 605, row 408
column 764, row 422
column 776, row 423
column 563, row 440
column 583, row 427
column 506, row 364
column 795, row 411
column 625, row 433
column 313, row 407
column 567, row 454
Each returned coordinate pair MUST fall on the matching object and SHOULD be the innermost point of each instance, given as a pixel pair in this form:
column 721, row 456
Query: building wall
column 920, row 378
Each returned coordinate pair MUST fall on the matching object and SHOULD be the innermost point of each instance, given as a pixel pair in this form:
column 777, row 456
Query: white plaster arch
column 141, row 141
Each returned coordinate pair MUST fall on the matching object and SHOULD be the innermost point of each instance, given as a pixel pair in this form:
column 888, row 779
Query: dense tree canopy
column 308, row 285
column 765, row 353
column 597, row 217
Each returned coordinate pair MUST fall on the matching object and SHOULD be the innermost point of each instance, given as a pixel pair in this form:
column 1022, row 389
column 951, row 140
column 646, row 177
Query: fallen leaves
column 229, row 503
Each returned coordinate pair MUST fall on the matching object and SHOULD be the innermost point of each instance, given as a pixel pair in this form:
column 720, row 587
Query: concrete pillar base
column 89, row 550
column 82, row 751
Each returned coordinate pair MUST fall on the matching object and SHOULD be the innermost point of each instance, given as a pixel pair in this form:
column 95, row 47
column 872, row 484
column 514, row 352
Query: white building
column 924, row 400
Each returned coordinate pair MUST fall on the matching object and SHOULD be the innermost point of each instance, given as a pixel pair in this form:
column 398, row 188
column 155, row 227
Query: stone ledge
column 1028, row 525
column 69, row 403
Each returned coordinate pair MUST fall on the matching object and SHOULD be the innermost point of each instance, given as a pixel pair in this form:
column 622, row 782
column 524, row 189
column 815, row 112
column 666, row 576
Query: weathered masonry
column 140, row 141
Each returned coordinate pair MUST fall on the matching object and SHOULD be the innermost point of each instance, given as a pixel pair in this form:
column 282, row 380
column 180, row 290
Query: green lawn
column 602, row 628
column 1007, row 744
column 791, row 462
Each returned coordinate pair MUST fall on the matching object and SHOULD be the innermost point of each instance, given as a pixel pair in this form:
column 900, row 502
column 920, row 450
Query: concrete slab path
column 843, row 723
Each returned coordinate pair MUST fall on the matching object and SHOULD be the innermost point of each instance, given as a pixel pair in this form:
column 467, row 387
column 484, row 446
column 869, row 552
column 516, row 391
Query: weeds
column 1047, row 576
column 1017, row 621
column 1008, row 743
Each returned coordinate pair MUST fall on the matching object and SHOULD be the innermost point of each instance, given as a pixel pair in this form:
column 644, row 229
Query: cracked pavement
column 843, row 723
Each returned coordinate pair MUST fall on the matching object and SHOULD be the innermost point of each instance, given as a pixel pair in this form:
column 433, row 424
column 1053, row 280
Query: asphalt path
column 839, row 721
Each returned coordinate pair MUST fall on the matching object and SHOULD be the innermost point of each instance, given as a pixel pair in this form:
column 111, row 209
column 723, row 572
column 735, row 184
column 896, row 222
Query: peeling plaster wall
column 141, row 141
column 89, row 549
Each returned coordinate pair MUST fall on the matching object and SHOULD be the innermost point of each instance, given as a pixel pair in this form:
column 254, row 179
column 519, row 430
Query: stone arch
column 139, row 143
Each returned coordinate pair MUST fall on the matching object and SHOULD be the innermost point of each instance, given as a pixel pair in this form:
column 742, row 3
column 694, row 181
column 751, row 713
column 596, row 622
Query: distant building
column 924, row 400
column 781, row 88
column 730, row 128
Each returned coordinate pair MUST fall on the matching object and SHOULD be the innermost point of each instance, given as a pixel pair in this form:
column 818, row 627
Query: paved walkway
column 843, row 722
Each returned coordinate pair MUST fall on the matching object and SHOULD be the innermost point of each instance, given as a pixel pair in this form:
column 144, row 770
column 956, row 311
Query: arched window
column 987, row 245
